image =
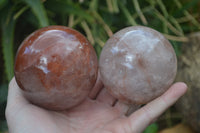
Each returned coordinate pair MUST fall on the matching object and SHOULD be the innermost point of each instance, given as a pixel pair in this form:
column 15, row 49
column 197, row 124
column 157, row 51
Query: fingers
column 121, row 107
column 97, row 88
column 14, row 93
column 106, row 98
column 15, row 102
column 125, row 109
column 140, row 119
column 15, row 97
column 100, row 94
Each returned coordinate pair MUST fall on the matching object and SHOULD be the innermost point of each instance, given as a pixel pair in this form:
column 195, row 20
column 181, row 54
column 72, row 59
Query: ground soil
column 189, row 72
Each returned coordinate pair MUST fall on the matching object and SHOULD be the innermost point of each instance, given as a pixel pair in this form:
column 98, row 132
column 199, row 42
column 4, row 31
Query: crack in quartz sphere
column 56, row 67
column 137, row 64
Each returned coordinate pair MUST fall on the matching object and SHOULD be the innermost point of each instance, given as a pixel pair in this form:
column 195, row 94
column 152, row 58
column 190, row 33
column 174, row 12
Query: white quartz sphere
column 137, row 64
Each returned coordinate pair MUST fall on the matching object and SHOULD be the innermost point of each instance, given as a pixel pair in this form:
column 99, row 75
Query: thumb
column 15, row 99
column 140, row 119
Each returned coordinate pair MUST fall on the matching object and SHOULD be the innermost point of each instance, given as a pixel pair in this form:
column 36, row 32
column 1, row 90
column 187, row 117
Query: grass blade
column 101, row 21
column 127, row 14
column 163, row 8
column 186, row 13
column 169, row 25
column 110, row 6
column 69, row 8
column 115, row 6
column 176, row 24
column 139, row 12
column 186, row 19
column 93, row 5
column 20, row 12
column 88, row 32
column 176, row 38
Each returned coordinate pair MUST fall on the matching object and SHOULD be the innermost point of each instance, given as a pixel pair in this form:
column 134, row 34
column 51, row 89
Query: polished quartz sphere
column 137, row 64
column 56, row 67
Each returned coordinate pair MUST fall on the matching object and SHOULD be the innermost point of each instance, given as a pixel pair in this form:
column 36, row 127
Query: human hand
column 99, row 113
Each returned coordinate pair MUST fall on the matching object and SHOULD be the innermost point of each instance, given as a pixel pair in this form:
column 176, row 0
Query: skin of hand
column 99, row 113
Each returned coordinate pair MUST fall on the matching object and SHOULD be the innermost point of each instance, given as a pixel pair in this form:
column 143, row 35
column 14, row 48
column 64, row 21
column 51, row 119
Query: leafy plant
column 98, row 20
column 153, row 128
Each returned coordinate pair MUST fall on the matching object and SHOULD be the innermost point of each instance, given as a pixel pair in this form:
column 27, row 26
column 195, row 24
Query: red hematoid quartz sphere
column 56, row 67
column 137, row 64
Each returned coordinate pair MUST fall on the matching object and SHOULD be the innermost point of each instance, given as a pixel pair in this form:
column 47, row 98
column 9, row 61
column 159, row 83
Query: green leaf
column 3, row 93
column 20, row 12
column 3, row 3
column 98, row 50
column 68, row 7
column 177, row 47
column 185, row 6
column 7, row 26
column 3, row 126
column 153, row 128
column 93, row 5
column 39, row 11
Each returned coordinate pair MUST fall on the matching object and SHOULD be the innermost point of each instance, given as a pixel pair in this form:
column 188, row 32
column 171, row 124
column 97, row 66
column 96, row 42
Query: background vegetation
column 98, row 20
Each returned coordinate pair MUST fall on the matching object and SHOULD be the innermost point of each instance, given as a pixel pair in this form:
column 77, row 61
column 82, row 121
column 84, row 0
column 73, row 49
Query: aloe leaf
column 39, row 11
column 8, row 26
